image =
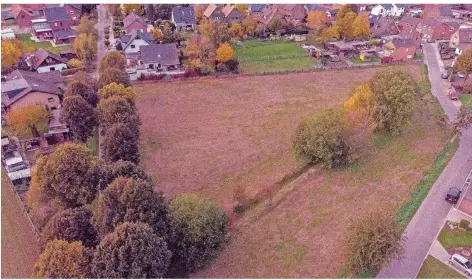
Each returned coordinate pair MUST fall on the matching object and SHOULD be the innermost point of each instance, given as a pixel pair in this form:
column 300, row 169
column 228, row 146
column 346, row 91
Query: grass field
column 466, row 100
column 450, row 239
column 20, row 248
column 223, row 137
column 26, row 38
column 434, row 269
column 258, row 56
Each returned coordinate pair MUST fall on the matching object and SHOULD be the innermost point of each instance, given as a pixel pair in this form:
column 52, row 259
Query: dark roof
column 315, row 7
column 55, row 14
column 65, row 33
column 465, row 35
column 258, row 7
column 184, row 15
column 165, row 54
column 445, row 11
column 52, row 5
column 398, row 43
column 452, row 24
column 387, row 6
column 126, row 40
column 410, row 20
column 37, row 57
column 76, row 6
column 400, row 5
column 7, row 14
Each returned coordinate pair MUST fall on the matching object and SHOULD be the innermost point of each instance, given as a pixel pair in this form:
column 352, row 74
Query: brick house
column 60, row 25
column 133, row 21
column 25, row 13
column 433, row 11
column 74, row 12
column 411, row 33
column 42, row 61
column 384, row 26
column 400, row 49
column 408, row 22
column 461, row 40
column 435, row 30
column 256, row 9
column 232, row 15
column 293, row 13
column 42, row 29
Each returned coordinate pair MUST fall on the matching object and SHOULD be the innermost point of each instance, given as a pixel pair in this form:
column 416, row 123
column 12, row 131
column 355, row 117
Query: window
column 133, row 46
column 52, row 69
column 55, row 24
column 50, row 99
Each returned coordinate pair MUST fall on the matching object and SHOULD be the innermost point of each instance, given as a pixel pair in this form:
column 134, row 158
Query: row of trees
column 85, row 45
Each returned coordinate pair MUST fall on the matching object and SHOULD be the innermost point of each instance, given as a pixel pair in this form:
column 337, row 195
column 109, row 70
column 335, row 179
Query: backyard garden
column 26, row 39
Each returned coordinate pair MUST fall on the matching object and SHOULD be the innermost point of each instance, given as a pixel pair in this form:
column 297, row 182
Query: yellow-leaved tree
column 317, row 18
column 157, row 34
column 330, row 33
column 224, row 53
column 360, row 108
column 361, row 26
column 136, row 8
column 242, row 8
column 237, row 31
column 30, row 121
column 10, row 54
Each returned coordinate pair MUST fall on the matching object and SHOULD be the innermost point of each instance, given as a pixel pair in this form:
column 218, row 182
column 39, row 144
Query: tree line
column 103, row 218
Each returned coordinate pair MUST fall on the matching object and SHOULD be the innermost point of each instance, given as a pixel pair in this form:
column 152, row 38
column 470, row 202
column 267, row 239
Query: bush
column 107, row 43
column 75, row 63
column 107, row 31
column 107, row 36
column 68, row 72
column 221, row 67
column 464, row 224
column 322, row 138
column 232, row 65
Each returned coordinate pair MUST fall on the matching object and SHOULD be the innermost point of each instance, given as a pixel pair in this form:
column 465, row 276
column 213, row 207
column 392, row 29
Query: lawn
column 450, row 239
column 26, row 38
column 434, row 269
column 20, row 248
column 257, row 56
column 221, row 138
column 359, row 61
column 466, row 100
column 92, row 143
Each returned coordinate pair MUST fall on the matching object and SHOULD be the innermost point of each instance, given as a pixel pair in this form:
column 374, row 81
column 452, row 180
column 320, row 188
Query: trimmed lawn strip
column 450, row 239
column 466, row 100
column 408, row 210
column 92, row 143
column 434, row 269
column 26, row 38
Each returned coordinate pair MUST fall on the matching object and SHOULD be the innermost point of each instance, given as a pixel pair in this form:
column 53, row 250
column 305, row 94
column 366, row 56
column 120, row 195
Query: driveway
column 426, row 223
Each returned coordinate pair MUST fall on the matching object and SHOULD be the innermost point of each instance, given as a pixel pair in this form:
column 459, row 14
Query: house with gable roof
column 232, row 15
column 394, row 10
column 41, row 61
column 60, row 25
column 256, row 9
column 25, row 13
column 133, row 21
column 214, row 12
column 183, row 17
column 132, row 42
column 461, row 40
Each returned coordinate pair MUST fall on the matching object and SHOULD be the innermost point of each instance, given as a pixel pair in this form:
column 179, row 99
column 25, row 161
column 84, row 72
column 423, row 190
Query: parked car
column 462, row 263
column 460, row 75
column 453, row 195
column 444, row 76
column 453, row 95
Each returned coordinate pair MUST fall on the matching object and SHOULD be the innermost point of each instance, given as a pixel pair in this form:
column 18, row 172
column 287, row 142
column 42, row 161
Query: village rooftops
column 403, row 43
column 258, row 7
column 132, row 17
column 56, row 14
column 165, row 54
column 184, row 15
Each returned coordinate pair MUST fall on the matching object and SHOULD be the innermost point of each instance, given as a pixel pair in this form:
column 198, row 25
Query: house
column 8, row 34
column 60, row 25
column 214, row 12
column 400, row 49
column 132, row 42
column 294, row 13
column 133, row 21
column 24, row 13
column 42, row 29
column 461, row 40
column 161, row 57
column 415, row 12
column 232, row 15
column 63, row 37
column 330, row 13
column 433, row 11
column 183, row 17
column 7, row 17
column 22, row 88
column 408, row 22
column 462, row 14
column 256, row 9
column 412, row 34
column 347, row 49
column 74, row 12
column 384, row 26
column 435, row 30
column 17, row 169
column 42, row 61
column 395, row 10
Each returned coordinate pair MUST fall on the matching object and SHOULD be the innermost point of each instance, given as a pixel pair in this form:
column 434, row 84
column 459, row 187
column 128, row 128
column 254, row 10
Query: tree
column 317, row 18
column 113, row 75
column 394, row 92
column 82, row 89
column 164, row 11
column 373, row 240
column 276, row 24
column 463, row 62
column 132, row 8
column 29, row 121
column 69, row 174
column 85, row 46
column 114, row 9
column 79, row 116
column 224, row 53
column 131, row 251
column 121, row 143
column 345, row 25
column 342, row 12
column 199, row 10
column 10, row 54
column 237, row 31
column 85, row 78
column 330, row 33
column 61, row 259
column 360, row 107
column 71, row 225
column 150, row 13
column 199, row 230
column 113, row 59
column 168, row 34
column 114, row 89
column 199, row 51
column 115, row 110
column 242, row 8
column 361, row 26
column 131, row 200
column 156, row 34
column 125, row 169
column 86, row 26
column 322, row 138
column 249, row 25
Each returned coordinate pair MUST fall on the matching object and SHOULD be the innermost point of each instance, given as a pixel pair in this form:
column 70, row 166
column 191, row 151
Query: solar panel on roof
column 12, row 93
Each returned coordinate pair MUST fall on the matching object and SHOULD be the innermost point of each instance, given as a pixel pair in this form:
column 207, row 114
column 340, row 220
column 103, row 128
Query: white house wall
column 58, row 67
column 138, row 43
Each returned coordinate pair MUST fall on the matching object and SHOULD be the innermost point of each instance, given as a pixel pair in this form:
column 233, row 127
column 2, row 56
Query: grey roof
column 258, row 7
column 37, row 57
column 42, row 25
column 126, row 40
column 52, row 5
column 398, row 43
column 184, row 15
column 6, row 14
column 315, row 7
column 55, row 14
column 165, row 54
column 400, row 5
column 65, row 33
column 387, row 6
column 445, row 10
column 77, row 6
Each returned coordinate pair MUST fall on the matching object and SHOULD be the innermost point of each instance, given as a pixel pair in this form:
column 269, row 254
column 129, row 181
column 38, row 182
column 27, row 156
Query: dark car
column 453, row 195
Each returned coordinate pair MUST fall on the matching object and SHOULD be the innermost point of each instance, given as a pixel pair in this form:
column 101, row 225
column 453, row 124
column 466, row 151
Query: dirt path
column 20, row 248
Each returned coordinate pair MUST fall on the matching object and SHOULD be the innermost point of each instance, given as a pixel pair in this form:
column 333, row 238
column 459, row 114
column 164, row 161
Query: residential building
column 183, row 17
column 131, row 43
column 232, row 15
column 133, row 21
column 434, row 11
column 395, row 10
column 293, row 13
column 60, row 25
column 22, row 88
column 74, row 12
column 42, row 29
column 256, row 9
column 24, row 13
column 384, row 26
column 435, row 30
column 408, row 22
column 412, row 34
column 8, row 33
column 214, row 12
column 400, row 49
column 42, row 61
column 330, row 13
column 7, row 17
column 161, row 57
column 461, row 40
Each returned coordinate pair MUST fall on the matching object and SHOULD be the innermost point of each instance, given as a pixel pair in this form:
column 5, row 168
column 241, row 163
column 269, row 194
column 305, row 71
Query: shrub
column 107, row 43
column 464, row 224
column 107, row 36
column 75, row 63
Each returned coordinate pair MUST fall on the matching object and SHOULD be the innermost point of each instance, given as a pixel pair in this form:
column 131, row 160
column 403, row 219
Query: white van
column 462, row 263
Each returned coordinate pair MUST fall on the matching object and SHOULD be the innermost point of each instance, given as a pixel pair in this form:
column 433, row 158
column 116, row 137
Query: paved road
column 424, row 226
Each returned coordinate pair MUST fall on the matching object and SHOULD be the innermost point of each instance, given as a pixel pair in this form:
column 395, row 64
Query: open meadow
column 227, row 138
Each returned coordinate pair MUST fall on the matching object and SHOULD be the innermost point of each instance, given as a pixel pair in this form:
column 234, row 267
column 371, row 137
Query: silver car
column 462, row 263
